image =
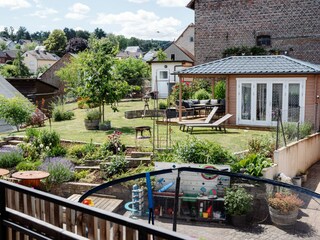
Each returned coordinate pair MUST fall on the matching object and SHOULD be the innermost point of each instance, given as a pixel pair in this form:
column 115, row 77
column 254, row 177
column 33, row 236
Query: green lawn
column 234, row 140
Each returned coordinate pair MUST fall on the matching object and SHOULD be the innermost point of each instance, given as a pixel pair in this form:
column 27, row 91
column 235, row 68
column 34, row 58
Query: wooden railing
column 27, row 213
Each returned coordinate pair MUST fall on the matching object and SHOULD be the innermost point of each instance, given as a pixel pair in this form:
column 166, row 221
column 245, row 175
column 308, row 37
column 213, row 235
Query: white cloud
column 78, row 11
column 44, row 12
column 79, row 8
column 138, row 1
column 173, row 3
column 141, row 24
column 14, row 4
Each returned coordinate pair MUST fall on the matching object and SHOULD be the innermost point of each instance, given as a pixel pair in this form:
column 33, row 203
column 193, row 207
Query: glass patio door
column 277, row 100
column 246, row 92
column 259, row 100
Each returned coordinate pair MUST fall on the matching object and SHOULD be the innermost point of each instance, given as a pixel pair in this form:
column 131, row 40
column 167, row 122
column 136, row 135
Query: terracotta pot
column 282, row 219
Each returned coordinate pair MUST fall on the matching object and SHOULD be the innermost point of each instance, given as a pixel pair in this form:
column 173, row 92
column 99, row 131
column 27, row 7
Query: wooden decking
column 103, row 202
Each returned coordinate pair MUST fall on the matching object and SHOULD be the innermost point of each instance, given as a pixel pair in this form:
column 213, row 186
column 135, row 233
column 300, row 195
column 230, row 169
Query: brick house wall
column 293, row 26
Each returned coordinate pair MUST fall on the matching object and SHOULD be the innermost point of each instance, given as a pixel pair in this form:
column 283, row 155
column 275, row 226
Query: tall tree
column 99, row 33
column 5, row 33
column 56, row 42
column 70, row 33
column 22, row 33
column 83, row 34
column 76, row 45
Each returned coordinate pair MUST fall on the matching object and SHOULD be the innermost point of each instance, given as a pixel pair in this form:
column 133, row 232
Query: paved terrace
column 306, row 227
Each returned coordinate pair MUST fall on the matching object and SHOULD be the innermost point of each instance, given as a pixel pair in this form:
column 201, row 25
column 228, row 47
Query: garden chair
column 185, row 111
column 218, row 124
column 207, row 120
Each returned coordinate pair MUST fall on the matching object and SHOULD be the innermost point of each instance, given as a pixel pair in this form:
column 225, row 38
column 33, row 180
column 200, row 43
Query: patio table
column 3, row 172
column 30, row 178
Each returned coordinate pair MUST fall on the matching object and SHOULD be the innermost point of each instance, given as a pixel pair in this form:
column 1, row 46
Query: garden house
column 257, row 86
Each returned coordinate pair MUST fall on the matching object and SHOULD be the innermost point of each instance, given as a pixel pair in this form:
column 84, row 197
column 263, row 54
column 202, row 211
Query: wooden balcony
column 26, row 213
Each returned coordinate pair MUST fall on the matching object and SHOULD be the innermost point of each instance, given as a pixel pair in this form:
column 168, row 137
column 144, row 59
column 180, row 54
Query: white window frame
column 269, row 82
column 163, row 79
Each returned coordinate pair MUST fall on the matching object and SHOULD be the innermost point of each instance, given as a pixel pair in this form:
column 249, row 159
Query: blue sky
column 145, row 19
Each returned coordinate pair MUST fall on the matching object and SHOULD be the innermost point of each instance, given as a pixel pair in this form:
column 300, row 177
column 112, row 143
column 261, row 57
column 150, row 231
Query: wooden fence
column 28, row 214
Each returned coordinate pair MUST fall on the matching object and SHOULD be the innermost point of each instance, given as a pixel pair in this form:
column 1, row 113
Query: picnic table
column 106, row 203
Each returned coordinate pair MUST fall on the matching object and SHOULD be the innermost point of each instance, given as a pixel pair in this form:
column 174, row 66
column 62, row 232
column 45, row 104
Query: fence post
column 3, row 229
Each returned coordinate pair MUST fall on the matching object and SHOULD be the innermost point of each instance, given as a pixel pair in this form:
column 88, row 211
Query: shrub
column 117, row 166
column 165, row 156
column 60, row 169
column 237, row 201
column 163, row 105
column 93, row 115
column 10, row 159
column 81, row 175
column 31, row 133
column 291, row 130
column 285, row 202
column 262, row 146
column 37, row 118
column 59, row 113
column 76, row 151
column 252, row 164
column 114, row 143
column 202, row 94
column 57, row 151
column 49, row 138
column 220, row 90
column 28, row 166
column 194, row 150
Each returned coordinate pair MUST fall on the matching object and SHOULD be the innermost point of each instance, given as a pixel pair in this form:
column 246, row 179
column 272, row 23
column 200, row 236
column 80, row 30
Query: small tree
column 16, row 110
column 90, row 75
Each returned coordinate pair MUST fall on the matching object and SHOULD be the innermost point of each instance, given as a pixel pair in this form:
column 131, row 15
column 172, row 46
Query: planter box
column 91, row 124
column 270, row 172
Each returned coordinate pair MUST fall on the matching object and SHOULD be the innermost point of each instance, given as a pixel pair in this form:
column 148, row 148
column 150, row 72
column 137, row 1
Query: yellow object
column 205, row 215
column 88, row 201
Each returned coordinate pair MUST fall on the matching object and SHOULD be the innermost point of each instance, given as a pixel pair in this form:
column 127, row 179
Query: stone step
column 83, row 168
column 135, row 162
column 141, row 154
column 14, row 142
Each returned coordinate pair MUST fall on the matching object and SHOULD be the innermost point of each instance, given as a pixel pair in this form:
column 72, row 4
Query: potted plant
column 284, row 208
column 92, row 120
column 237, row 203
column 105, row 125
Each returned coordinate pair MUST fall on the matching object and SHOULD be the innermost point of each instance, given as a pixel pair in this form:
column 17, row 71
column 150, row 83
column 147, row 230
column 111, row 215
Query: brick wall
column 294, row 26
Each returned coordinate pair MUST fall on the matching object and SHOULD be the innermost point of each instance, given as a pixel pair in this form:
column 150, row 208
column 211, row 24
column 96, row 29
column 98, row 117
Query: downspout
column 316, row 78
column 180, row 99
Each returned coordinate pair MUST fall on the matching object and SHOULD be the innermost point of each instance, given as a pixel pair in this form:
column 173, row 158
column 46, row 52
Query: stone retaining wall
column 139, row 113
column 67, row 189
